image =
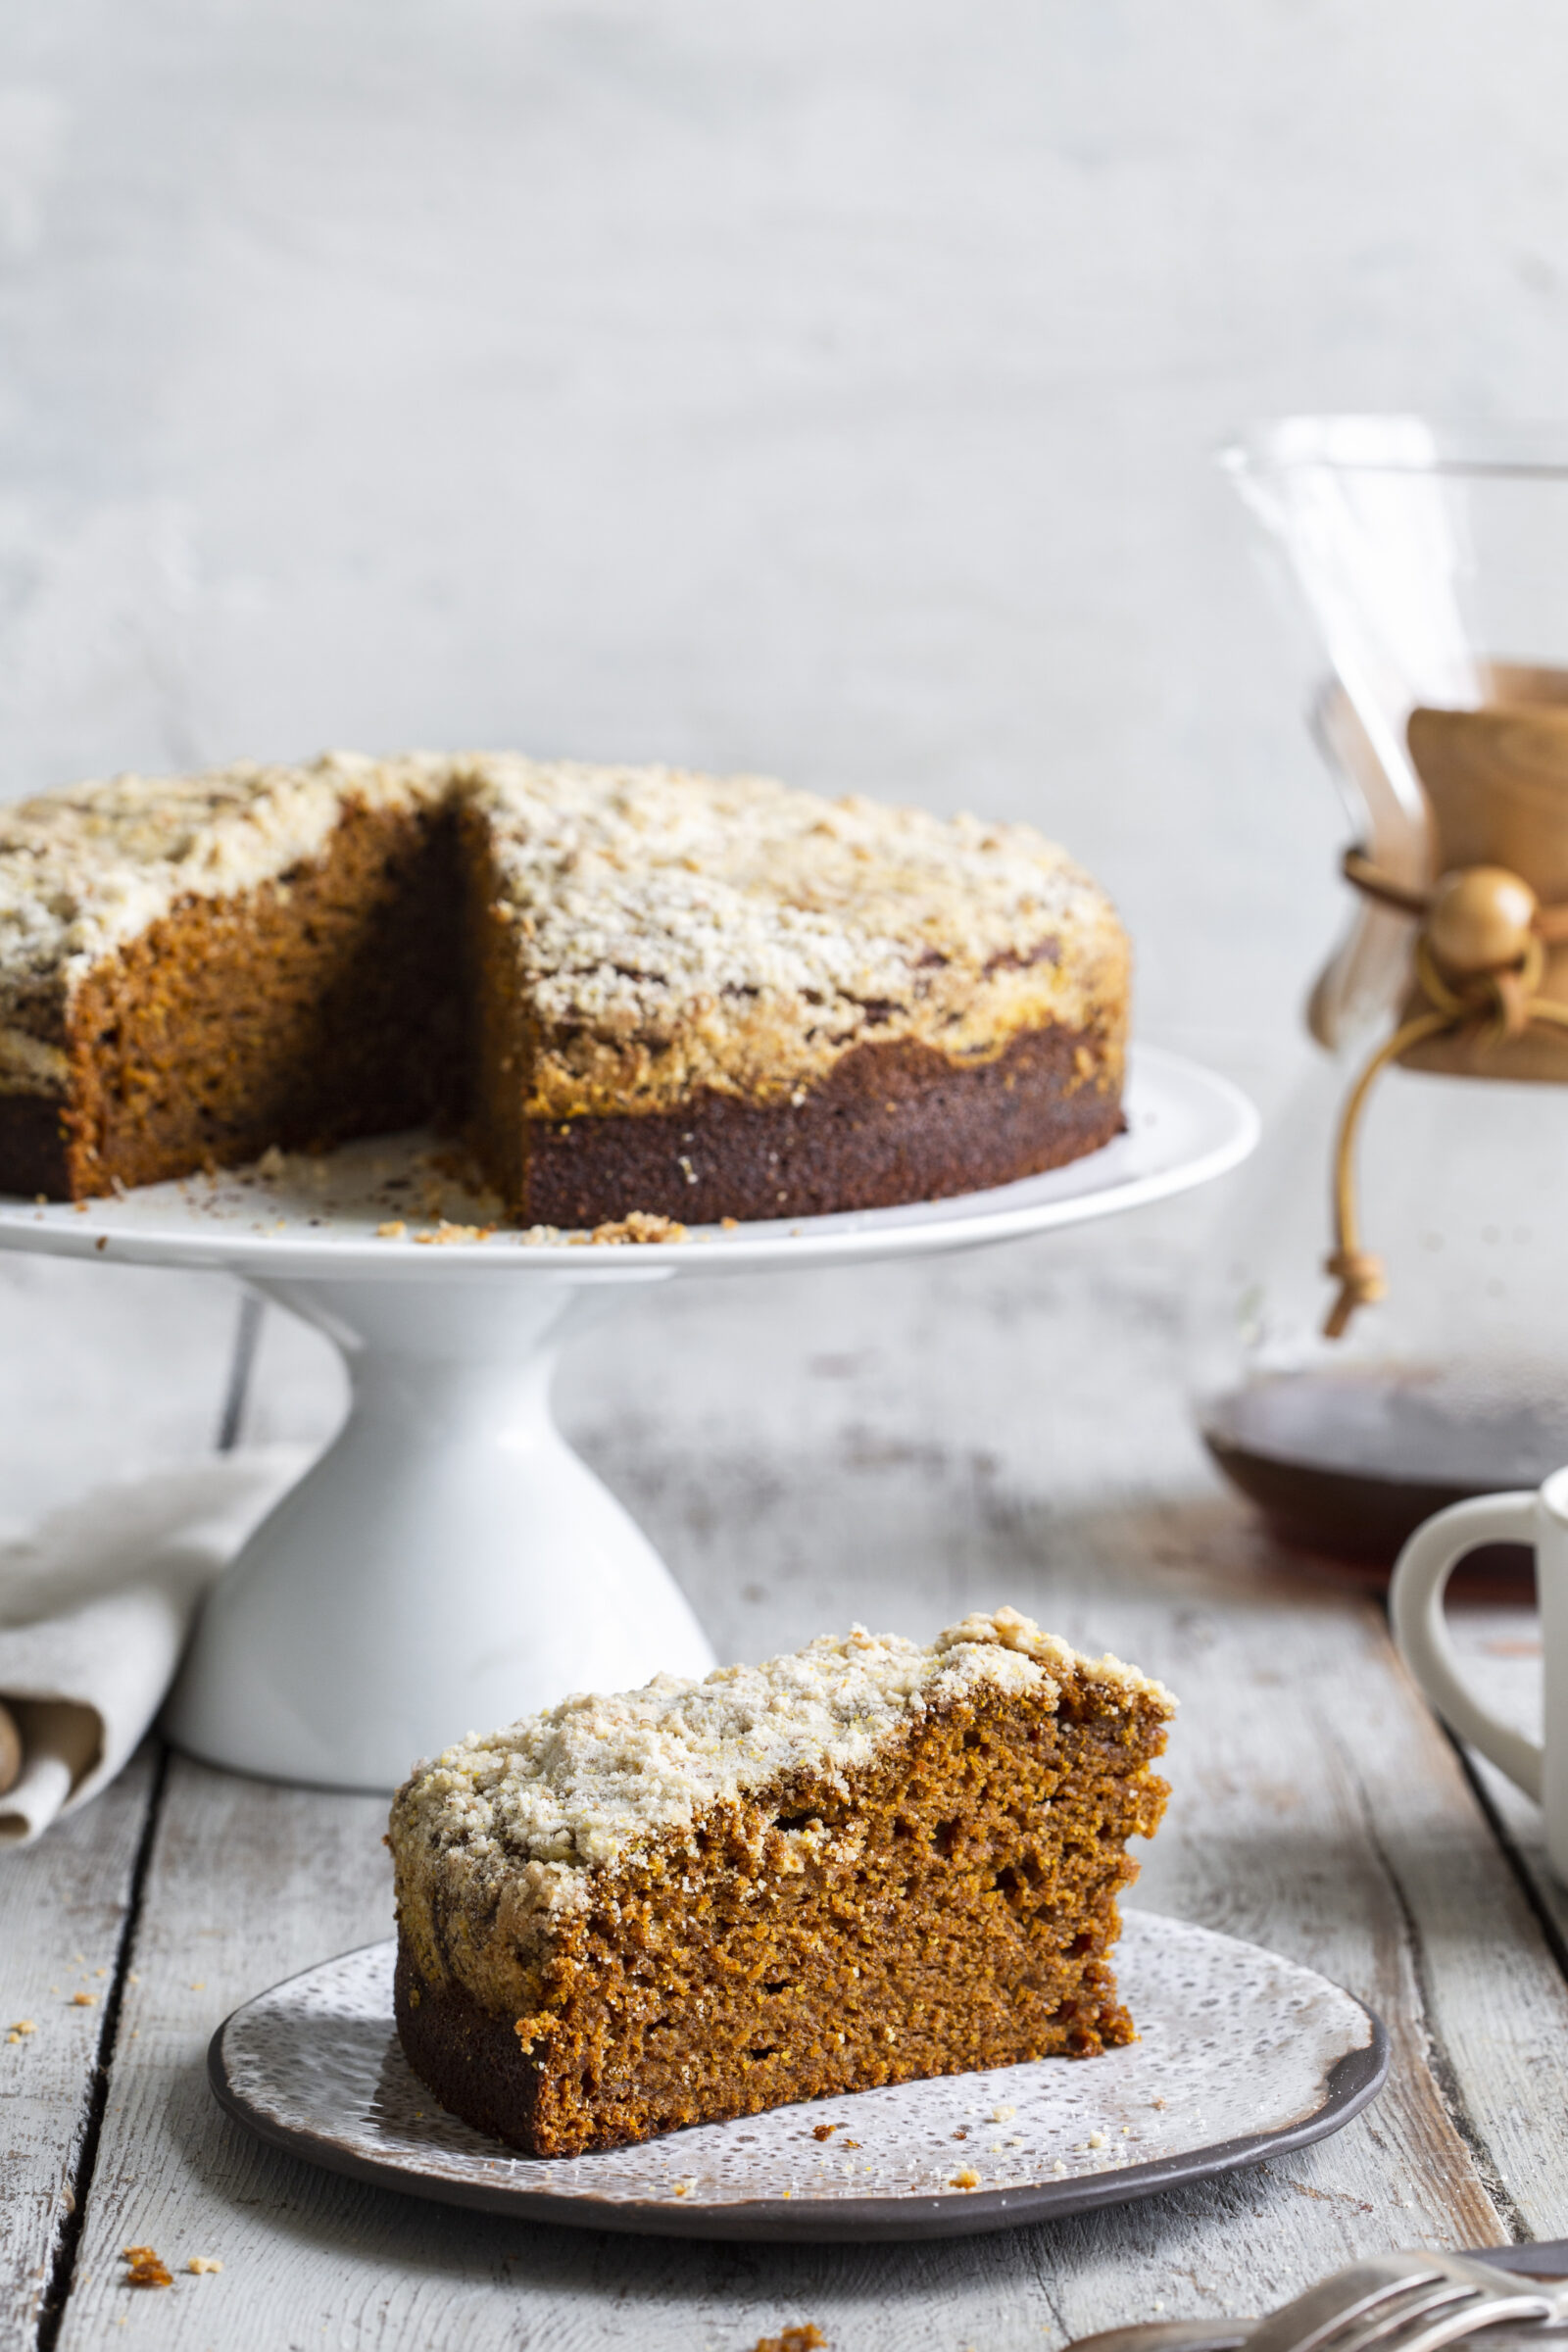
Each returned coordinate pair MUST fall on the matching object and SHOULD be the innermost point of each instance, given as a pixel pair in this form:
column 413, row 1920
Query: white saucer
column 1242, row 2055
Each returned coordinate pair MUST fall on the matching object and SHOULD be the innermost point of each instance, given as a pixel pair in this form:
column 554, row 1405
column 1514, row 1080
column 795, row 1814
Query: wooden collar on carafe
column 1480, row 955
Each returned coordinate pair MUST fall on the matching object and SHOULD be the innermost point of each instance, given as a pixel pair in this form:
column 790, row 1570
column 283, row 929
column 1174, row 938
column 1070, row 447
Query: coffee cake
column 855, row 1865
column 641, row 989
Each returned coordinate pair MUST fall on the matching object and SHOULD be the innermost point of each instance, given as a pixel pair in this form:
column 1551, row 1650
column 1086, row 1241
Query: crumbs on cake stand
column 409, row 1202
column 634, row 1231
column 637, row 1229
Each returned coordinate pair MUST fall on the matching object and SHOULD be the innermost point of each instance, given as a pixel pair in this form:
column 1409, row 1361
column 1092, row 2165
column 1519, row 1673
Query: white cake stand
column 450, row 1563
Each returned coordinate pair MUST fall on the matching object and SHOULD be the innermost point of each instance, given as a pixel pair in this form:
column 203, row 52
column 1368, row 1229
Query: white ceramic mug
column 1415, row 1599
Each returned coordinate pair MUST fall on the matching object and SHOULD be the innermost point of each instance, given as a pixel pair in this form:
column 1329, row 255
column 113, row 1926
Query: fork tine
column 1305, row 2324
column 1480, row 2310
column 1401, row 2303
column 1394, row 2320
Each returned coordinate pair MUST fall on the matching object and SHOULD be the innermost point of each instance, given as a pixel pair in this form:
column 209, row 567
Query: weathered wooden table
column 898, row 1445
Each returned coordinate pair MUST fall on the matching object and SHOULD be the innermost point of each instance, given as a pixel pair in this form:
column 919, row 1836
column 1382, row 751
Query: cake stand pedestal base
column 449, row 1563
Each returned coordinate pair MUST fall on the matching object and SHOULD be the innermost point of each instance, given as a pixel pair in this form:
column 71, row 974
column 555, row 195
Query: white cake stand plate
column 450, row 1563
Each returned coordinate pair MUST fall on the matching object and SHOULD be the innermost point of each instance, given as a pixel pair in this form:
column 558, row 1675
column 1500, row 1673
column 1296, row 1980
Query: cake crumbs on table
column 203, row 2266
column 84, row 2000
column 146, row 2266
column 393, row 1230
column 823, row 2131
column 968, row 2178
column 806, row 2338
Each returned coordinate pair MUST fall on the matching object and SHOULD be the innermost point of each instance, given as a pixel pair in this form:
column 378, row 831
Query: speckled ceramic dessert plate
column 1243, row 2054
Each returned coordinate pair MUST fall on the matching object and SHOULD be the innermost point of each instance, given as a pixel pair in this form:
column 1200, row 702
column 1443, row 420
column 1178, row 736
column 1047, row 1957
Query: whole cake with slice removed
column 637, row 989
column 861, row 1864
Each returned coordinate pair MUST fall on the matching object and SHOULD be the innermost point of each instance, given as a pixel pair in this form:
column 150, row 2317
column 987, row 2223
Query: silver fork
column 1392, row 2303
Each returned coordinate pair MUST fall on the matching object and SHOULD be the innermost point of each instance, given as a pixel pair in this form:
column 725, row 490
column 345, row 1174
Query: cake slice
column 857, row 1865
column 720, row 995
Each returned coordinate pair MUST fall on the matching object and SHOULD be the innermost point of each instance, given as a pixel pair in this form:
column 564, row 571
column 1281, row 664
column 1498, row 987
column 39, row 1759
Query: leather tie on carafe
column 1481, row 953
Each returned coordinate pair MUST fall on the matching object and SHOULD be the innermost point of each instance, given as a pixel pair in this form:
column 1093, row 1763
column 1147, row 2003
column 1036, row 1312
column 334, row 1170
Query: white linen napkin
column 94, row 1612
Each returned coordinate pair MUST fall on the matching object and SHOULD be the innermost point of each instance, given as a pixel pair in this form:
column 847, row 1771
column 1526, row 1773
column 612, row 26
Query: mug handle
column 1415, row 1605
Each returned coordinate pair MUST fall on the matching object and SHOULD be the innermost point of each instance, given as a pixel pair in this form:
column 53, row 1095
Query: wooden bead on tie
column 1479, row 921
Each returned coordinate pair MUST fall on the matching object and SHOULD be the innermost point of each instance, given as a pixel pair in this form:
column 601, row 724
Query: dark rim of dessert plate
column 1350, row 2083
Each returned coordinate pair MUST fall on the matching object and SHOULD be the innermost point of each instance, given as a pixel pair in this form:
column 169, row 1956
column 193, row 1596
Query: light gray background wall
column 827, row 388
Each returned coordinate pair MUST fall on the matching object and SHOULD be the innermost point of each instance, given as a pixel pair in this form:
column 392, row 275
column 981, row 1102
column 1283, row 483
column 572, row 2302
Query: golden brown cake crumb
column 145, row 2267
column 637, row 1228
column 808, row 2338
column 860, row 1864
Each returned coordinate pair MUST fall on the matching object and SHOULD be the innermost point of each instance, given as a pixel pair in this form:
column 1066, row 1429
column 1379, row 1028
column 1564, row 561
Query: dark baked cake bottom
column 890, row 1123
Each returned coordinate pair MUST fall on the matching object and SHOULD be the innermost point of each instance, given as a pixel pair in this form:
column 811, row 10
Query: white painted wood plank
column 246, row 1884
column 61, row 1910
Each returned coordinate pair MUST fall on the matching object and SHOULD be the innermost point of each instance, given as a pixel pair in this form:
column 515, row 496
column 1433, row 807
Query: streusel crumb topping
column 677, row 931
column 670, row 931
column 583, row 1785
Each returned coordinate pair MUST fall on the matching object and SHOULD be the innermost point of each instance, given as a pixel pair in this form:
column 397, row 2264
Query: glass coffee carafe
column 1384, row 1328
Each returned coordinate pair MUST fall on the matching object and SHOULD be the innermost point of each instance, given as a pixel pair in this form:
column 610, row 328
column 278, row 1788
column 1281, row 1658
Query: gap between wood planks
column 78, row 2185
column 1546, row 1919
column 1445, row 2078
